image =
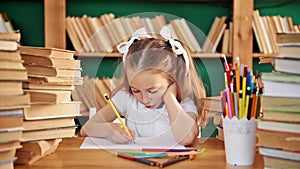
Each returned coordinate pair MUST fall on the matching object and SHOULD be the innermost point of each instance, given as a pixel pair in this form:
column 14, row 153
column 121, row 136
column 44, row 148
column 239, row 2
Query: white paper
column 153, row 142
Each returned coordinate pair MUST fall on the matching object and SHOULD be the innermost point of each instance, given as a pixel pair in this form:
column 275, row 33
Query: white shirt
column 147, row 122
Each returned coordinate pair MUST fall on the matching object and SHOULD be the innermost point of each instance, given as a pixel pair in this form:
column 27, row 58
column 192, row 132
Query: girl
column 160, row 93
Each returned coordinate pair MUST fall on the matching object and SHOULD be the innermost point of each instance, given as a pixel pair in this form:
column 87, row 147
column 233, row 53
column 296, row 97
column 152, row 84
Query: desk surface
column 68, row 155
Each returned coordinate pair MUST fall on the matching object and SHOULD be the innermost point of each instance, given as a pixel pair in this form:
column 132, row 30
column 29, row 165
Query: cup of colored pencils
column 241, row 107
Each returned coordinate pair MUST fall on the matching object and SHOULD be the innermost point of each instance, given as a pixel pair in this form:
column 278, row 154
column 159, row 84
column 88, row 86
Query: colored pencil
column 229, row 102
column 247, row 102
column 153, row 155
column 140, row 160
column 167, row 150
column 173, row 161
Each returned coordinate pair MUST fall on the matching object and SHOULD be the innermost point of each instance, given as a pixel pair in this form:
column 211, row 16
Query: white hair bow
column 176, row 46
column 124, row 46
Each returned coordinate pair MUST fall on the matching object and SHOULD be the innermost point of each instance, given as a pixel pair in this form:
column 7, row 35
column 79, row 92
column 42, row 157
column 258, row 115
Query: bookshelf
column 57, row 40
column 24, row 15
column 242, row 11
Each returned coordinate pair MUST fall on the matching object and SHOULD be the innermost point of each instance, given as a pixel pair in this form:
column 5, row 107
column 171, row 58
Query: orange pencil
column 232, row 104
column 253, row 106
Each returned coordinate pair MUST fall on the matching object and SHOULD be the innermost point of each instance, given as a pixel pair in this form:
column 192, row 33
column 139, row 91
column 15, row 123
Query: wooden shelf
column 258, row 55
column 194, row 55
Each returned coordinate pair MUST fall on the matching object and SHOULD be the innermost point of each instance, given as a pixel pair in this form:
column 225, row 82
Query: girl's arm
column 184, row 124
column 100, row 125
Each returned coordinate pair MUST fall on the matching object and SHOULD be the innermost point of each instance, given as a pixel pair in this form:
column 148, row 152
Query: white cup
column 240, row 140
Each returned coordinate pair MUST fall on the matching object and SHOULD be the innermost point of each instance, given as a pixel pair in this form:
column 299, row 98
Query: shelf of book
column 241, row 34
column 115, row 54
column 194, row 55
column 244, row 47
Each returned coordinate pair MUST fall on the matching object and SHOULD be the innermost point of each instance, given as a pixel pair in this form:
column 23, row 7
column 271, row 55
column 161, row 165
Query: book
column 55, row 80
column 283, row 140
column 288, row 38
column 7, row 155
column 52, row 71
column 33, row 151
column 43, row 86
column 7, row 164
column 280, row 153
column 10, row 55
column 49, row 96
column 40, row 124
column 279, row 126
column 40, row 147
column 10, row 88
column 14, row 65
column 47, row 111
column 14, row 101
column 209, row 40
column 9, row 145
column 280, row 104
column 10, row 121
column 47, row 52
column 11, row 134
column 7, row 23
column 72, row 35
column 270, row 162
column 290, row 51
column 220, row 134
column 281, row 85
column 284, row 116
column 287, row 65
column 14, row 36
column 53, row 133
column 258, row 32
column 212, row 103
column 8, row 45
column 51, row 62
column 6, row 74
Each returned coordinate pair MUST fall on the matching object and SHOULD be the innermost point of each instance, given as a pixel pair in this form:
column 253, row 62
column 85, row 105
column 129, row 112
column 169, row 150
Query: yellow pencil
column 241, row 105
column 247, row 102
column 116, row 112
column 244, row 80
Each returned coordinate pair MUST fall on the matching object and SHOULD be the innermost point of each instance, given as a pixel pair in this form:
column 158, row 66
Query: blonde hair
column 157, row 54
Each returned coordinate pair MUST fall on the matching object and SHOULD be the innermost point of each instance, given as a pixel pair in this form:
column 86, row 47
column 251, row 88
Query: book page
column 153, row 142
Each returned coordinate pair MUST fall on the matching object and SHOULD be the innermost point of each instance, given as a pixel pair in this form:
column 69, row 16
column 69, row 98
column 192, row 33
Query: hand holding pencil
column 121, row 133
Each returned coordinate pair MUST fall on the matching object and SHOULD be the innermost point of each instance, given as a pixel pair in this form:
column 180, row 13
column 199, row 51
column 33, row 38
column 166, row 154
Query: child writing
column 160, row 93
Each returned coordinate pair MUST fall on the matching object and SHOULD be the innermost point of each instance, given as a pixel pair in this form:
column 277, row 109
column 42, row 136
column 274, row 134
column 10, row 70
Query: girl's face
column 148, row 88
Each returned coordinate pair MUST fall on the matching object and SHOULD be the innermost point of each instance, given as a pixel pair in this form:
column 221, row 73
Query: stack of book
column 279, row 130
column 52, row 75
column 12, row 98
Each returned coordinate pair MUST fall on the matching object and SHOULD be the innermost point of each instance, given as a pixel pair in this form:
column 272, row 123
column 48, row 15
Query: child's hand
column 120, row 135
column 172, row 89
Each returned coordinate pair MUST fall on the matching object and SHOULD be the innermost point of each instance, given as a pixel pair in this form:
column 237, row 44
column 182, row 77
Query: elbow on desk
column 188, row 139
column 186, row 142
column 82, row 132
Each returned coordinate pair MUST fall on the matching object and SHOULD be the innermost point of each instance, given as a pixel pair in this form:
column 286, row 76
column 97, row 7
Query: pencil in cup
column 117, row 113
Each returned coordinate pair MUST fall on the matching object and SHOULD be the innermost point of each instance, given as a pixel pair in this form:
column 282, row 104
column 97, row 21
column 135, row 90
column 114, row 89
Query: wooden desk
column 69, row 156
